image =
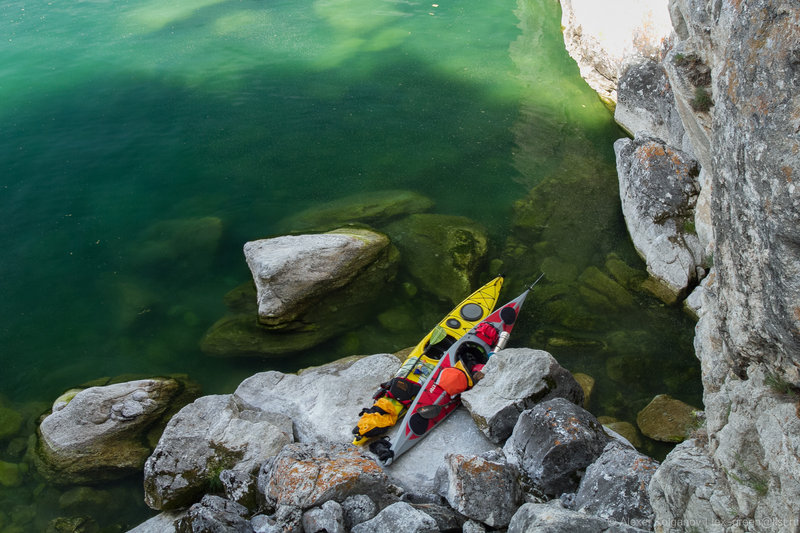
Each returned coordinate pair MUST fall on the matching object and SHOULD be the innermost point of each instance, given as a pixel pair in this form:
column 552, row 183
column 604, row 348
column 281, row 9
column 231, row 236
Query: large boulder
column 614, row 487
column 659, row 188
column 293, row 272
column 553, row 443
column 516, row 380
column 323, row 402
column 205, row 438
column 602, row 36
column 448, row 252
column 100, row 433
column 309, row 288
column 375, row 208
column 308, row 475
column 485, row 489
column 553, row 518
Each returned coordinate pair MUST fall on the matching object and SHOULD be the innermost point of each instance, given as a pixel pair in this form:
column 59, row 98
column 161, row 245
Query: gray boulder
column 308, row 475
column 614, row 487
column 293, row 272
column 215, row 515
column 329, row 518
column 553, row 443
column 551, row 518
column 516, row 380
column 203, row 439
column 358, row 508
column 99, row 434
column 323, row 402
column 399, row 516
column 659, row 188
column 485, row 489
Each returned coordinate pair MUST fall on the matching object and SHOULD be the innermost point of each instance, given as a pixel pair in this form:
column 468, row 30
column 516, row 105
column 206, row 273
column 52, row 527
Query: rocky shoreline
column 272, row 456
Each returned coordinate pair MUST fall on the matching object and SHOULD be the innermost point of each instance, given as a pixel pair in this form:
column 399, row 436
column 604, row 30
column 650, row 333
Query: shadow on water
column 127, row 199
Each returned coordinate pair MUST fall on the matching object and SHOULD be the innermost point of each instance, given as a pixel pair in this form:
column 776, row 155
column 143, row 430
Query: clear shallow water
column 118, row 116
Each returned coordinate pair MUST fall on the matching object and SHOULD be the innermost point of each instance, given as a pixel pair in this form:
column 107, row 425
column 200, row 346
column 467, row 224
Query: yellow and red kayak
column 394, row 396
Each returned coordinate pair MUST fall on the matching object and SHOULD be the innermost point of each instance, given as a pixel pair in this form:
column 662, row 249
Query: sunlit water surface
column 118, row 116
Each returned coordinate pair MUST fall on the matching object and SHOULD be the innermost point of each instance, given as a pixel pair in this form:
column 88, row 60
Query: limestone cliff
column 734, row 70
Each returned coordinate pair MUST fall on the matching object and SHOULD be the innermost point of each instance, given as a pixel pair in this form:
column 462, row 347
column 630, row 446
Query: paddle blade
column 438, row 335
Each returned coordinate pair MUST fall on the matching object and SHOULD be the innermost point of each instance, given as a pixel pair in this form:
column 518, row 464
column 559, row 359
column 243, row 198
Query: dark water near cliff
column 118, row 116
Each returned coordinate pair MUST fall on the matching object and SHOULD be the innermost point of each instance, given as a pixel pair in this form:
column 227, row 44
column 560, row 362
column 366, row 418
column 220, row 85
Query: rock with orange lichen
column 553, row 443
column 486, row 489
column 659, row 188
column 615, row 486
column 306, row 475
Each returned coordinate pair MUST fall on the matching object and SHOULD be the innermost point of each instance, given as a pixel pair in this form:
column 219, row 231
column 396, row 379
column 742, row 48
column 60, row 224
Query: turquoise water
column 119, row 118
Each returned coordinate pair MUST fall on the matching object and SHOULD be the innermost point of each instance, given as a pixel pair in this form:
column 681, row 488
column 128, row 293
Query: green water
column 118, row 116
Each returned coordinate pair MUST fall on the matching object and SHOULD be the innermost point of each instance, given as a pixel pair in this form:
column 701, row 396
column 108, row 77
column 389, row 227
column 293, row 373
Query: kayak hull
column 423, row 358
column 438, row 397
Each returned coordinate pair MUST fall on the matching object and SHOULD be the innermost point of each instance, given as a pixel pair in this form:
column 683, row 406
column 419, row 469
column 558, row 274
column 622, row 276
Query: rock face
column 733, row 70
column 517, row 379
column 100, row 433
column 599, row 51
column 375, row 208
column 552, row 518
column 658, row 189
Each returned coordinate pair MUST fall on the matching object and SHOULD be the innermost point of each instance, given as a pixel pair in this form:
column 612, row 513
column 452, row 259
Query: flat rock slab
column 667, row 419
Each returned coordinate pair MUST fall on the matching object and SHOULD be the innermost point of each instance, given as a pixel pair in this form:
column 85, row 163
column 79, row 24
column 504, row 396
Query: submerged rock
column 447, row 252
column 667, row 419
column 100, row 433
column 178, row 244
column 375, row 208
column 516, row 380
